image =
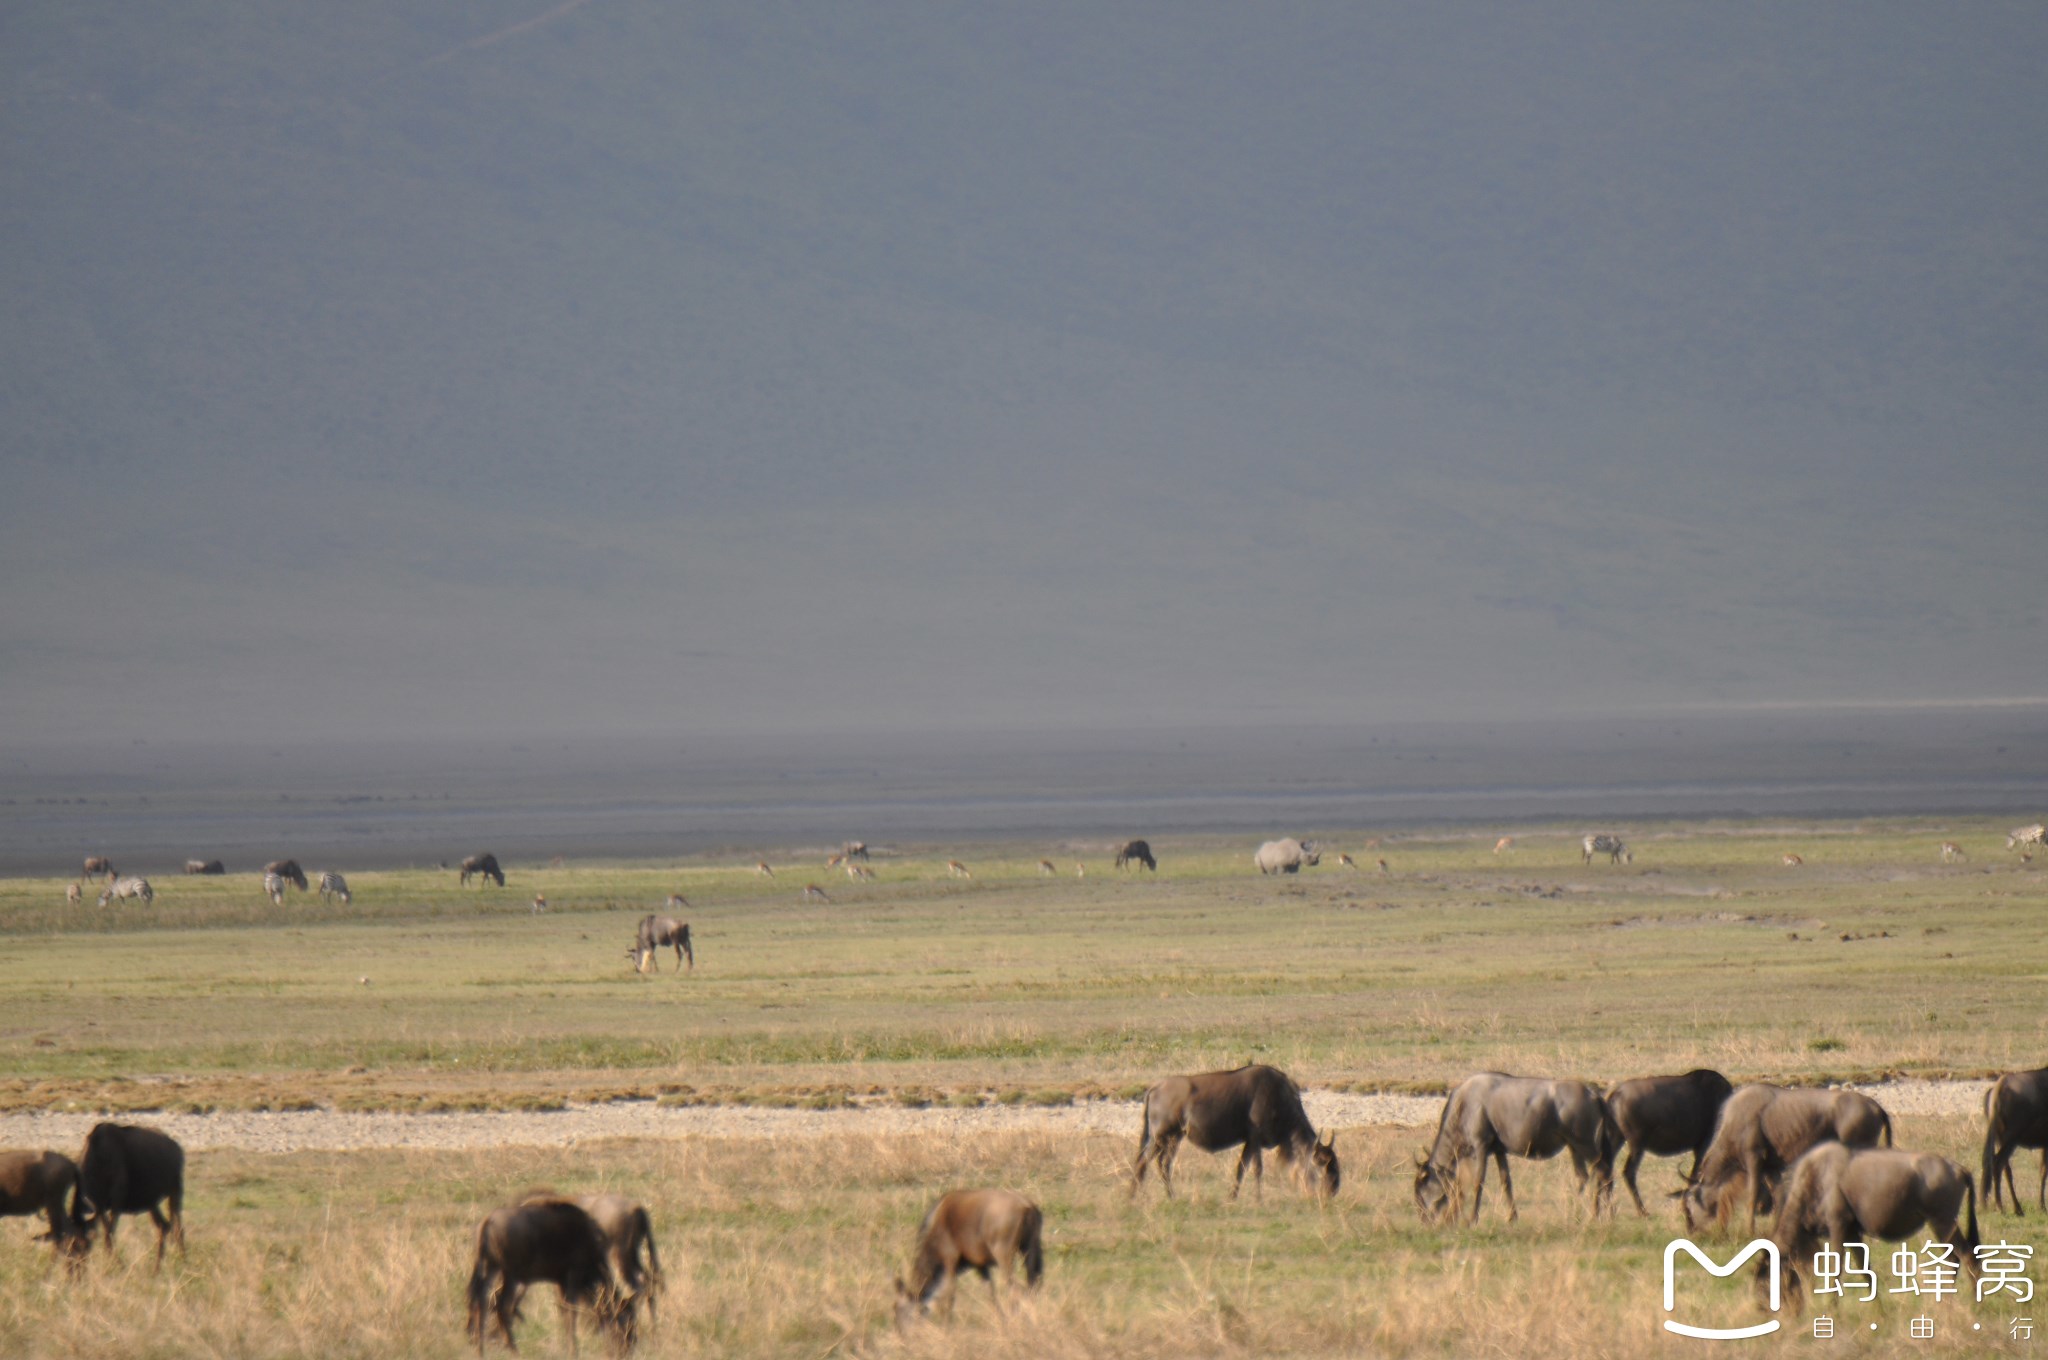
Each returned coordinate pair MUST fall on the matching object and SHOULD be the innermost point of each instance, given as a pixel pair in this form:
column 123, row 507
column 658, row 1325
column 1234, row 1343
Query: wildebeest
column 273, row 888
column 854, row 850
column 127, row 1169
column 1762, row 1130
column 1614, row 847
column 290, row 872
column 1835, row 1194
column 553, row 1240
column 2015, row 1116
column 333, row 885
column 98, row 866
column 1491, row 1114
column 1135, row 852
column 122, row 888
column 627, row 1230
column 979, row 1230
column 44, row 1183
column 1258, row 1106
column 486, row 865
column 205, row 866
column 1666, row 1117
column 660, row 932
column 2037, row 834
column 1285, row 856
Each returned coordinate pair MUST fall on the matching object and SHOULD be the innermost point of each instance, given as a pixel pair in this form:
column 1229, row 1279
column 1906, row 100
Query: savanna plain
column 925, row 996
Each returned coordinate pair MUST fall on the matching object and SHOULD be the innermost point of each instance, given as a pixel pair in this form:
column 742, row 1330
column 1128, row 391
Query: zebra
column 127, row 887
column 274, row 884
column 957, row 869
column 2036, row 834
column 333, row 885
column 1951, row 852
column 1614, row 847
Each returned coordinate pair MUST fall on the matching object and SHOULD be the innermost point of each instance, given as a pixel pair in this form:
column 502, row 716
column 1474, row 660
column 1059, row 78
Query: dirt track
column 334, row 1131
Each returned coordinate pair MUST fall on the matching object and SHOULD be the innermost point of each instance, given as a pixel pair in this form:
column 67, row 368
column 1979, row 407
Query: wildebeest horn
column 1422, row 1159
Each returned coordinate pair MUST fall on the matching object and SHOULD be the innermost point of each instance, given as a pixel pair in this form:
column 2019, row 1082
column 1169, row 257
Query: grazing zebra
column 74, row 894
column 274, row 885
column 128, row 887
column 333, row 885
column 1503, row 844
column 1792, row 861
column 2036, row 834
column 1045, row 869
column 1614, row 847
column 761, row 868
column 1951, row 852
column 957, row 869
column 1345, row 861
column 814, row 893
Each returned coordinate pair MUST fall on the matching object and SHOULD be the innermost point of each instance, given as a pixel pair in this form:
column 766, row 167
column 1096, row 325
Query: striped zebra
column 333, row 885
column 1614, row 847
column 2036, row 834
column 127, row 887
column 274, row 884
column 1951, row 852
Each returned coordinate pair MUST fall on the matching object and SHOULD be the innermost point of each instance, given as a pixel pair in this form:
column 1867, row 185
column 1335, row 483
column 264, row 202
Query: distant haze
column 385, row 371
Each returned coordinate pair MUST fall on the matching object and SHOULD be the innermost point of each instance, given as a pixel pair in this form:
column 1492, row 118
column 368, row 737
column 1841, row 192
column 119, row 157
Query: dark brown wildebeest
column 1259, row 1107
column 660, row 932
column 1762, row 1130
column 1666, row 1117
column 486, row 865
column 551, row 1240
column 290, row 872
column 2015, row 1116
column 980, row 1230
column 1491, row 1114
column 127, row 1169
column 205, row 866
column 45, row 1183
column 1135, row 852
column 627, row 1229
column 1835, row 1194
column 98, row 866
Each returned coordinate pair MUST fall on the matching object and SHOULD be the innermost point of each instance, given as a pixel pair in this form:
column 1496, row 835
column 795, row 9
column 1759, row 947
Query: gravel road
column 335, row 1131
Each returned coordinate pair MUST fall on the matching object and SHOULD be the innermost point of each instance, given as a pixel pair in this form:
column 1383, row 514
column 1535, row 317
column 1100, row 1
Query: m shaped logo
column 1761, row 1244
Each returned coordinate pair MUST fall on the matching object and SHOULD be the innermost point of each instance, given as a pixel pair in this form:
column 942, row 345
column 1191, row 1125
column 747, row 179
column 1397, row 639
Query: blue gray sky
column 622, row 367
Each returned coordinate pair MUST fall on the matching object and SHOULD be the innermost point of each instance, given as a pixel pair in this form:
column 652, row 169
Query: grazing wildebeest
column 1835, row 1194
column 127, row 1169
column 98, row 866
column 1491, row 1114
column 1259, row 1107
column 486, row 865
column 1285, row 856
column 552, row 1240
column 660, row 932
column 205, row 866
column 854, row 850
column 2037, row 834
column 1762, row 1130
column 44, row 1183
column 333, row 885
column 1135, row 852
column 1614, row 847
column 122, row 888
column 273, row 887
column 979, row 1230
column 290, row 872
column 627, row 1229
column 1666, row 1117
column 2015, row 1116
column 74, row 894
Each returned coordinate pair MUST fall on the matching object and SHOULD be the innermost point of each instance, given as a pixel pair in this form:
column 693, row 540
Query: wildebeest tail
column 1991, row 1130
column 479, row 1290
column 1034, row 1247
column 1886, row 1127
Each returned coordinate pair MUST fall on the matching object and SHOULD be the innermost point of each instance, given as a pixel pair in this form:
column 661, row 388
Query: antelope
column 1792, row 861
column 1384, row 869
column 540, row 903
column 1951, row 852
column 678, row 902
column 1502, row 845
column 74, row 894
column 835, row 861
column 957, row 869
column 1372, row 842
column 761, row 868
column 859, row 872
column 1080, row 869
column 814, row 893
column 1045, row 869
column 1346, row 861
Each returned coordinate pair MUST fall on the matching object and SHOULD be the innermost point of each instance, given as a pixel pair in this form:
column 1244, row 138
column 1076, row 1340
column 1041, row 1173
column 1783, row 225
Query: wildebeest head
column 1435, row 1189
column 1321, row 1170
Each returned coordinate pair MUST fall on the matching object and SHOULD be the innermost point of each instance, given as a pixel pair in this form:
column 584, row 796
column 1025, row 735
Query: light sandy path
column 334, row 1131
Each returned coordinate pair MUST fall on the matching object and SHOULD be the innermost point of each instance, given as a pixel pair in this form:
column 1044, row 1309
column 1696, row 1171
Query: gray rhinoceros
column 1286, row 857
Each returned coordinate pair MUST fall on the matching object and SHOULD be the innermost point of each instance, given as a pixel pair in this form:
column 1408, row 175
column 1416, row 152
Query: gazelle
column 859, row 872
column 678, row 902
column 1346, row 861
column 1951, row 852
column 1045, row 869
column 761, row 868
column 1504, row 844
column 1793, row 861
column 814, row 893
column 957, row 869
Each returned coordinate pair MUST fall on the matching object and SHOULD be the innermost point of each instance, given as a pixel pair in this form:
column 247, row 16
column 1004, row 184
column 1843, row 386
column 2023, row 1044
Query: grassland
column 1872, row 958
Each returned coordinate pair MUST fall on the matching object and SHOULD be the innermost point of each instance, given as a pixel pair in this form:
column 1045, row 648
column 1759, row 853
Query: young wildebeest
column 486, row 865
column 1834, row 1194
column 1259, row 1107
column 290, row 872
column 1492, row 1115
column 544, row 1239
column 34, row 1183
column 1285, row 856
column 1136, row 852
column 981, row 1230
column 127, row 1169
column 127, row 887
column 660, row 932
column 626, row 1227
column 1666, row 1117
column 1762, row 1130
column 205, row 866
column 2015, row 1116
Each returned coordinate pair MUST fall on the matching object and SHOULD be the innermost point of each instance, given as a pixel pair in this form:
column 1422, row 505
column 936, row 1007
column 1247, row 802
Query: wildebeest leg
column 1628, row 1175
column 1169, row 1148
column 1257, row 1163
column 1507, row 1184
column 163, row 1231
column 2044, row 1183
column 989, row 1274
column 1478, row 1185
